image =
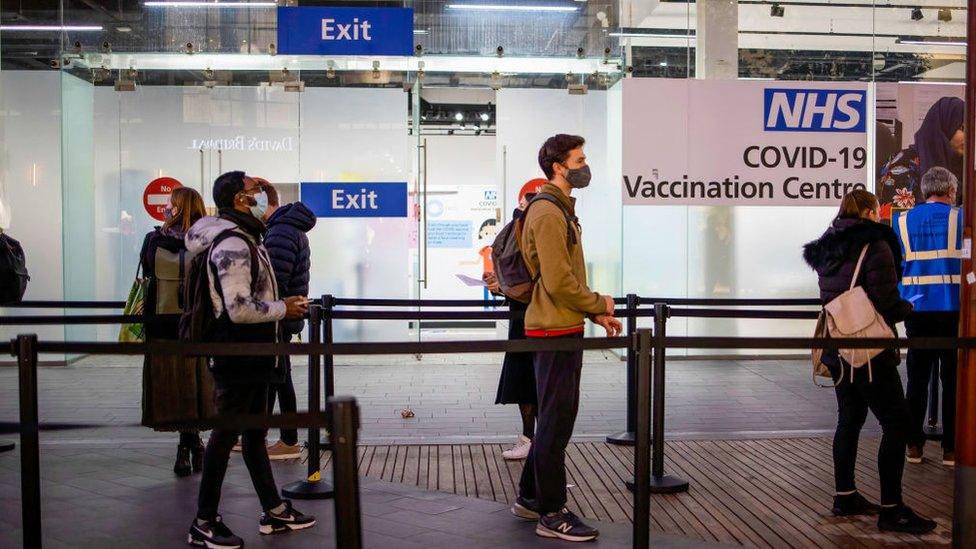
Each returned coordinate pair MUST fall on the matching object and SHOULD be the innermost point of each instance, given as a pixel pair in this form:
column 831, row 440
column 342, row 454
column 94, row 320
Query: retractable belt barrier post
column 30, row 464
column 642, row 447
column 343, row 421
column 932, row 430
column 328, row 303
column 312, row 487
column 661, row 483
column 626, row 438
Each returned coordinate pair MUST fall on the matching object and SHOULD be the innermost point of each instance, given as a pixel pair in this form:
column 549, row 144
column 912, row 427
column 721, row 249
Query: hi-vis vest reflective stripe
column 951, row 250
column 931, row 279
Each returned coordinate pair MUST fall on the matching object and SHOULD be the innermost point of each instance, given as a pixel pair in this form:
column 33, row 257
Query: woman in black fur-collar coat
column 834, row 256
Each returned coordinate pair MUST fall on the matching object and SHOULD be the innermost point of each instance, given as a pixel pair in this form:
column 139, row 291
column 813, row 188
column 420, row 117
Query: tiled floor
column 129, row 498
column 453, row 399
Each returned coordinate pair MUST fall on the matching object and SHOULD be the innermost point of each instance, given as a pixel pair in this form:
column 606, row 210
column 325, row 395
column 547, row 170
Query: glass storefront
column 98, row 99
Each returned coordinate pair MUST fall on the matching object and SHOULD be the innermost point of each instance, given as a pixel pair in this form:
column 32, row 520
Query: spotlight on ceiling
column 458, row 116
column 485, row 117
column 776, row 10
column 945, row 15
column 917, row 14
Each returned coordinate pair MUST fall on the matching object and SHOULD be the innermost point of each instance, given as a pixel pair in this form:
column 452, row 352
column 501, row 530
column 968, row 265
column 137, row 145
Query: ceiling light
column 485, row 117
column 421, row 31
column 495, row 7
column 201, row 4
column 917, row 14
column 124, row 29
column 945, row 15
column 931, row 43
column 649, row 35
column 663, row 64
column 776, row 10
column 458, row 116
column 43, row 28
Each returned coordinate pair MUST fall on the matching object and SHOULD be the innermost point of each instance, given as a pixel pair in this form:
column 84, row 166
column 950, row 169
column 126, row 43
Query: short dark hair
column 226, row 187
column 557, row 149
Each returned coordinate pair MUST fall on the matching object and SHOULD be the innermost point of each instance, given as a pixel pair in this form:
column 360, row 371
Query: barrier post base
column 6, row 446
column 306, row 489
column 664, row 484
column 932, row 432
column 623, row 438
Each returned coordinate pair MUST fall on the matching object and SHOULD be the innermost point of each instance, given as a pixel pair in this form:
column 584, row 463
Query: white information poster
column 756, row 143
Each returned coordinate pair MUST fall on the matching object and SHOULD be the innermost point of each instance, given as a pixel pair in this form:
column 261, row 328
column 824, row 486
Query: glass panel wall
column 143, row 92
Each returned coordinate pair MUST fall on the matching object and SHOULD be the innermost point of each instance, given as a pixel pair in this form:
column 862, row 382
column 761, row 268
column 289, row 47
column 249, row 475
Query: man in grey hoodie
column 247, row 309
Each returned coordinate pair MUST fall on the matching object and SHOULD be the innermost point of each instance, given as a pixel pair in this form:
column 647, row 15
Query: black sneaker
column 854, row 504
column 213, row 534
column 289, row 519
column 525, row 509
column 182, row 466
column 903, row 519
column 565, row 525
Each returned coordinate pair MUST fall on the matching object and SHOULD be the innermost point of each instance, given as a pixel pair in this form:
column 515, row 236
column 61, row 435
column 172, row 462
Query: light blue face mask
column 258, row 210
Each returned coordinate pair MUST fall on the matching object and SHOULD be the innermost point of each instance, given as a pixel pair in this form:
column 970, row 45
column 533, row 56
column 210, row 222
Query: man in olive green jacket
column 561, row 302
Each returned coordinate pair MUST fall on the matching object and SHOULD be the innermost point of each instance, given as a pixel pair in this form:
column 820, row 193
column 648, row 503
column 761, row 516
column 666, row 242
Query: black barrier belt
column 68, row 305
column 237, row 422
column 392, row 348
column 420, row 303
column 738, row 313
column 729, row 302
column 514, row 346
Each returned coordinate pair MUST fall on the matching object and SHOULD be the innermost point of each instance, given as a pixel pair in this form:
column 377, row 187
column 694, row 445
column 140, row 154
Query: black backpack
column 197, row 322
column 13, row 271
column 511, row 270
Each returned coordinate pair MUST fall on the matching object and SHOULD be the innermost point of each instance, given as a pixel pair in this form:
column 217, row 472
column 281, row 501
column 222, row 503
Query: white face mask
column 261, row 207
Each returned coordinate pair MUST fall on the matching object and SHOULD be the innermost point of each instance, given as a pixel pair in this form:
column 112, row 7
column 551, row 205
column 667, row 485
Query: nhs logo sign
column 814, row 110
column 345, row 31
column 355, row 199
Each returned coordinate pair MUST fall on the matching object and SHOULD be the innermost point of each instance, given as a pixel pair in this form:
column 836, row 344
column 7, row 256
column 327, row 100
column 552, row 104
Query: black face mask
column 578, row 178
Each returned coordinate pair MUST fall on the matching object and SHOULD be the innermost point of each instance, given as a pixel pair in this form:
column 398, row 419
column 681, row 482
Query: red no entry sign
column 156, row 196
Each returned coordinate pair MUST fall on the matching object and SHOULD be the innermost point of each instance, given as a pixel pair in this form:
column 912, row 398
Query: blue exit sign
column 345, row 31
column 355, row 199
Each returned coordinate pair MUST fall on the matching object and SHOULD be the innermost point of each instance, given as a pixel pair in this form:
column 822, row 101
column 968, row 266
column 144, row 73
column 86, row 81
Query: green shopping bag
column 135, row 305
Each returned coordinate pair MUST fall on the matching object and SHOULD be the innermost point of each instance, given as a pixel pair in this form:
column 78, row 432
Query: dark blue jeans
column 557, row 375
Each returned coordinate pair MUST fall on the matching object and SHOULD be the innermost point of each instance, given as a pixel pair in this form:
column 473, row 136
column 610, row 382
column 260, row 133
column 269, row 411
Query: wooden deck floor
column 762, row 493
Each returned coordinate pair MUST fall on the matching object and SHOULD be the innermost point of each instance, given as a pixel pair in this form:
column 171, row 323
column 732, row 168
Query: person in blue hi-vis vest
column 930, row 236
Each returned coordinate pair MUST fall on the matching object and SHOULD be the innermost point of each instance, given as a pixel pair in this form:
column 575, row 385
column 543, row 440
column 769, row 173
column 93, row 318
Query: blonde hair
column 190, row 208
column 855, row 202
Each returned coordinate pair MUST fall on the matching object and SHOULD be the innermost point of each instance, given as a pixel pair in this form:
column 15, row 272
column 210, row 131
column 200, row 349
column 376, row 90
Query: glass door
column 354, row 140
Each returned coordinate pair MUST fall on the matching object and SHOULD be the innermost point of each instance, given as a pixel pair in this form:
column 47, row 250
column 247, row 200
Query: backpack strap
column 232, row 233
column 570, row 219
column 857, row 269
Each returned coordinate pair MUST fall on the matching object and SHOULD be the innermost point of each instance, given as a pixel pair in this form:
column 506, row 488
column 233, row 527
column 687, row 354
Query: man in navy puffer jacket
column 288, row 247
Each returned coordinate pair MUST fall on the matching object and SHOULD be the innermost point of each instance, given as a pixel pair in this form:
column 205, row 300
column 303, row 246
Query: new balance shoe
column 854, row 504
column 565, row 525
column 903, row 519
column 213, row 534
column 289, row 519
column 524, row 509
column 914, row 454
column 520, row 450
column 949, row 458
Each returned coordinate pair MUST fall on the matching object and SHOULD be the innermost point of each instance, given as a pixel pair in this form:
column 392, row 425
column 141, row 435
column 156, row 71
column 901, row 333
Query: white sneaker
column 520, row 450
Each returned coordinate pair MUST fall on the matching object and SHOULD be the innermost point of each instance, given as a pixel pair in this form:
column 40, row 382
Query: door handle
column 424, row 213
column 202, row 176
column 220, row 161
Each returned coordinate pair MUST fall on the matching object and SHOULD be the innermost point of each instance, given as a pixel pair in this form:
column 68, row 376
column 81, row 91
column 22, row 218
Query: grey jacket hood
column 204, row 231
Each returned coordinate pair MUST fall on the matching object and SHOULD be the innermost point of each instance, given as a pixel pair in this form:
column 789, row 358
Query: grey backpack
column 513, row 275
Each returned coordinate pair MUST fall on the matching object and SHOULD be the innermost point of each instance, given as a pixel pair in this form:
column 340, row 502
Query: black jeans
column 920, row 364
column 884, row 397
column 233, row 400
column 285, row 392
column 557, row 375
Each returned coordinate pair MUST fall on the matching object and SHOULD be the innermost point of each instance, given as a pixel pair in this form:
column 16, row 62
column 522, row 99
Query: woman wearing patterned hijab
column 940, row 141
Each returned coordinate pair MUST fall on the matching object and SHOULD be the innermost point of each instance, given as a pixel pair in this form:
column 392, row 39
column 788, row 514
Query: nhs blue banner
column 814, row 110
column 355, row 199
column 345, row 31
